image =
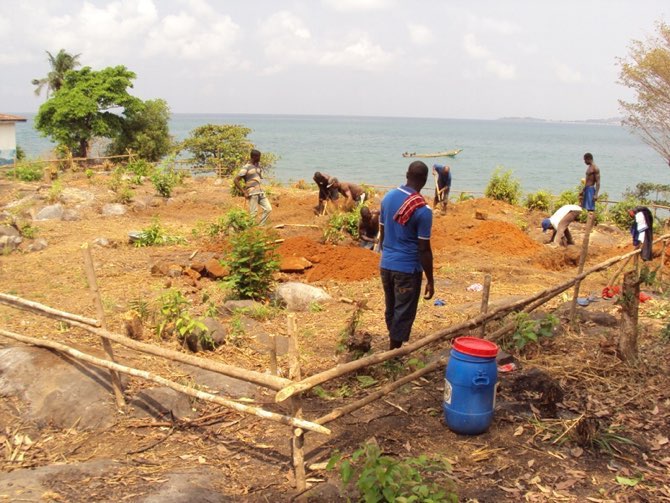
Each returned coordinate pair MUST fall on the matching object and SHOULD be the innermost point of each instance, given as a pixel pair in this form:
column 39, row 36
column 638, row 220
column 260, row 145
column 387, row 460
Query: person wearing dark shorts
column 405, row 228
column 442, row 186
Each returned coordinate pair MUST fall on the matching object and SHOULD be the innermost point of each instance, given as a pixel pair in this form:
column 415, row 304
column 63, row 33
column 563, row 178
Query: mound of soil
column 500, row 238
column 336, row 262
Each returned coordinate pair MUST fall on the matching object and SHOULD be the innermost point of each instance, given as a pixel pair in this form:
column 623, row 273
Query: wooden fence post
column 294, row 374
column 630, row 301
column 93, row 285
column 485, row 301
column 660, row 267
column 582, row 260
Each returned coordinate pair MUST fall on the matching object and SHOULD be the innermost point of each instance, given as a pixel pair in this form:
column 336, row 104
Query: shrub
column 55, row 191
column 155, row 235
column 139, row 168
column 27, row 171
column 252, row 263
column 618, row 213
column 383, row 478
column 503, row 187
column 529, row 330
column 570, row 196
column 540, row 200
column 166, row 178
column 234, row 220
column 341, row 224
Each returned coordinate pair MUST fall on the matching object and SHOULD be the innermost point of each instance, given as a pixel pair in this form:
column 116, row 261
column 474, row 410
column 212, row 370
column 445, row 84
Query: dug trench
column 572, row 421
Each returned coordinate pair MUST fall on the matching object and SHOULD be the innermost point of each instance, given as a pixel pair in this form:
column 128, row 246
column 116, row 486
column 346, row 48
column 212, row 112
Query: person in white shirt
column 559, row 223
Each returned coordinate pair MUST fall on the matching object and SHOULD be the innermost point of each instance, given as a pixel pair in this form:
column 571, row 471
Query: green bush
column 618, row 213
column 252, row 263
column 235, row 220
column 570, row 196
column 503, row 187
column 341, row 224
column 540, row 200
column 140, row 167
column 165, row 180
column 529, row 330
column 381, row 478
column 155, row 235
column 27, row 171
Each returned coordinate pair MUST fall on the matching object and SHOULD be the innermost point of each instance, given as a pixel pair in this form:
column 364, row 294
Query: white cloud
column 420, row 34
column 498, row 26
column 472, row 47
column 361, row 53
column 358, row 5
column 501, row 70
column 567, row 74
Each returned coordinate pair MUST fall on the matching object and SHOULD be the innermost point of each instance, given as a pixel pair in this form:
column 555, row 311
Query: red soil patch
column 500, row 238
column 341, row 263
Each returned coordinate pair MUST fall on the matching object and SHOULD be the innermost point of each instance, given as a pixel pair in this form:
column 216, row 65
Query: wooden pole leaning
column 485, row 301
column 41, row 309
column 231, row 404
column 582, row 260
column 95, row 292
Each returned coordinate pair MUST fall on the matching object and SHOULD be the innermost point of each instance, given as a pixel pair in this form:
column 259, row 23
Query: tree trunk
column 83, row 148
column 630, row 300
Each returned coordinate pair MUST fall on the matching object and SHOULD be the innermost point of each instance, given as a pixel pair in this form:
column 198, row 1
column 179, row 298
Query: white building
column 8, row 138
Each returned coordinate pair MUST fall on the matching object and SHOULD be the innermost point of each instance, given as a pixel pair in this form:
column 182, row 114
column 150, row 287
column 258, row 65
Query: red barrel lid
column 474, row 346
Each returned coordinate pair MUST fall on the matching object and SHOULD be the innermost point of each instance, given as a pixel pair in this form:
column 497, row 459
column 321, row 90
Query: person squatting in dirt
column 642, row 230
column 252, row 173
column 405, row 229
column 442, row 176
column 327, row 190
column 559, row 223
column 368, row 228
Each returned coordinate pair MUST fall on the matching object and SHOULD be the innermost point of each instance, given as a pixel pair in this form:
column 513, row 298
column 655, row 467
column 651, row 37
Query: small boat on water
column 447, row 153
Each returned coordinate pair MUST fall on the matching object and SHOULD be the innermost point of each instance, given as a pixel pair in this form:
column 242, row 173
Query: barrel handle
column 481, row 379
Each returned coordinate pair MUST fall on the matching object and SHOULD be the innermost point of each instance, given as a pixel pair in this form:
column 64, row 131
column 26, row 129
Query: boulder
column 212, row 338
column 38, row 245
column 113, row 209
column 101, row 242
column 51, row 212
column 56, row 390
column 230, row 306
column 294, row 264
column 161, row 403
column 299, row 296
column 70, row 215
column 9, row 243
column 73, row 196
column 9, row 230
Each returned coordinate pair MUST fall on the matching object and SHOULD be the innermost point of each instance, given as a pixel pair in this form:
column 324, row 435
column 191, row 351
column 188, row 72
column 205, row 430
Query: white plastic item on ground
column 299, row 296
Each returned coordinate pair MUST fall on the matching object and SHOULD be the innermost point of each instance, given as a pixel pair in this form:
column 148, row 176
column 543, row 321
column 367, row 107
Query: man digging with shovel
column 442, row 175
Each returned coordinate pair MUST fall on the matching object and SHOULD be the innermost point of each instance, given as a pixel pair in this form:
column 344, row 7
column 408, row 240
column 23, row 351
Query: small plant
column 165, row 179
column 540, row 201
column 252, row 263
column 315, row 307
column 140, row 168
column 464, row 196
column 503, row 187
column 341, row 224
column 301, row 185
column 529, row 330
column 28, row 231
column 383, row 478
column 237, row 331
column 141, row 307
column 89, row 173
column 155, row 235
column 124, row 195
column 27, row 171
column 55, row 191
column 665, row 334
column 234, row 220
column 172, row 305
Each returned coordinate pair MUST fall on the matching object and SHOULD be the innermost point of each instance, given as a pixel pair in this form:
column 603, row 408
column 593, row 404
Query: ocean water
column 541, row 155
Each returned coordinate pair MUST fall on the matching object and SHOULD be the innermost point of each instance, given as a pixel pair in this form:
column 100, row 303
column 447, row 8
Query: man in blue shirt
column 442, row 176
column 405, row 227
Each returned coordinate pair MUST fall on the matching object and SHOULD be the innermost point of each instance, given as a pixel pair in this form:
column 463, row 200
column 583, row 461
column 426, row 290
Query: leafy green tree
column 61, row 63
column 647, row 72
column 224, row 148
column 89, row 104
column 145, row 131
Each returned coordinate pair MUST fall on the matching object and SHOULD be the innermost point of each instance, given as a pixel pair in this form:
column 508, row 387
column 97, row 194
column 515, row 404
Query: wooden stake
column 294, row 373
column 630, row 300
column 582, row 261
column 93, row 286
column 231, row 404
column 619, row 271
column 485, row 301
column 660, row 267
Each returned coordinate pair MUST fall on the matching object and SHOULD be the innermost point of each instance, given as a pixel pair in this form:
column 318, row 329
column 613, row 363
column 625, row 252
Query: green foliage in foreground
column 252, row 263
column 155, row 235
column 618, row 213
column 27, row 171
column 540, row 200
column 165, row 178
column 529, row 330
column 234, row 220
column 381, row 478
column 341, row 224
column 503, row 187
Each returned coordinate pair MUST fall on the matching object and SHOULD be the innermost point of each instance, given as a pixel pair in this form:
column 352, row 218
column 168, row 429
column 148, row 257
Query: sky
column 477, row 59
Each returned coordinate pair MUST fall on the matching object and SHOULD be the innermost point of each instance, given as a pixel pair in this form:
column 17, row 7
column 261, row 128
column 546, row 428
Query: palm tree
column 60, row 64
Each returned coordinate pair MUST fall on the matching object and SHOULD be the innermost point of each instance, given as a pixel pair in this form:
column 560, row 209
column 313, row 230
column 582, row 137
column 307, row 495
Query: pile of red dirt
column 341, row 263
column 500, row 238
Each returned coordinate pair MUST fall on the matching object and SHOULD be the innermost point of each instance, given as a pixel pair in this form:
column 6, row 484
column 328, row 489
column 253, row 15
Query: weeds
column 235, row 220
column 529, row 330
column 341, row 224
column 30, row 171
column 540, row 200
column 155, row 235
column 383, row 478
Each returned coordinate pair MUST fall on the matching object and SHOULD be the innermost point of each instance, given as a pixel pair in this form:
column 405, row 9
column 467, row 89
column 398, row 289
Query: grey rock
column 113, row 209
column 189, row 486
column 218, row 383
column 299, row 296
column 70, row 215
column 101, row 242
column 8, row 230
column 209, row 339
column 162, row 403
column 57, row 390
column 38, row 245
column 230, row 306
column 73, row 196
column 51, row 212
column 10, row 242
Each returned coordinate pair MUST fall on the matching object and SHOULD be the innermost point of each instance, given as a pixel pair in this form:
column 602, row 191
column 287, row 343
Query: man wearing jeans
column 405, row 226
column 252, row 173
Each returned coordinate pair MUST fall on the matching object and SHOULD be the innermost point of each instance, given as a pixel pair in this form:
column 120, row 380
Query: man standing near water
column 252, row 174
column 589, row 194
column 405, row 227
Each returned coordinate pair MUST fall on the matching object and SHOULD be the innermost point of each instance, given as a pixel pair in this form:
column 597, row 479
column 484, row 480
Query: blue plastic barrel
column 470, row 385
